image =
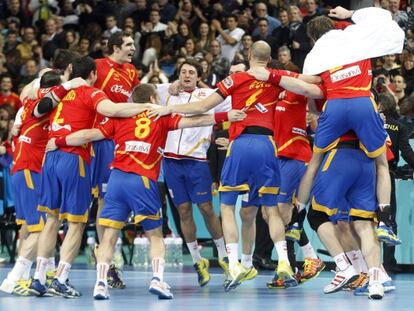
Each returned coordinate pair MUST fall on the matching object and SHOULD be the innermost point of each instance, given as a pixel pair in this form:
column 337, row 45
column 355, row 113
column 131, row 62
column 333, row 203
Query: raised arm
column 122, row 110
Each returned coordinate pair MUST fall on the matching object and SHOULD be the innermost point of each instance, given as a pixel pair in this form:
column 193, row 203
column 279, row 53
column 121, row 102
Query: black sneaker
column 65, row 290
column 114, row 278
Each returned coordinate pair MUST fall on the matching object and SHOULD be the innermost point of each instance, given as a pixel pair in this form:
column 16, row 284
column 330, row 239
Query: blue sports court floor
column 252, row 295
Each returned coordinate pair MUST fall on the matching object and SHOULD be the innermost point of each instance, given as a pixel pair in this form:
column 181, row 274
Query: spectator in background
column 311, row 10
column 204, row 38
column 242, row 55
column 208, row 78
column 71, row 40
column 26, row 46
column 299, row 42
column 11, row 41
column 261, row 12
column 14, row 9
column 124, row 9
column 390, row 64
column 141, row 13
column 29, row 72
column 167, row 11
column 111, row 26
column 265, row 35
column 53, row 39
column 229, row 38
column 7, row 96
column 400, row 17
column 185, row 31
column 219, row 64
column 284, row 57
column 407, row 114
column 399, row 87
column 407, row 71
column 155, row 20
column 282, row 33
column 152, row 49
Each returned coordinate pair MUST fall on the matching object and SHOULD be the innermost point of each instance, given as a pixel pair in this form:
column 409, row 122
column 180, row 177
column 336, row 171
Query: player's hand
column 260, row 73
column 236, row 115
column 51, row 145
column 15, row 130
column 158, row 111
column 222, row 143
column 174, row 88
column 3, row 150
column 340, row 13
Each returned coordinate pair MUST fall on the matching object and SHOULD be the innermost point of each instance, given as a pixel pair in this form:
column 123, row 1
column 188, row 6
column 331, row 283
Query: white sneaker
column 7, row 286
column 236, row 275
column 161, row 289
column 376, row 291
column 100, row 292
column 341, row 279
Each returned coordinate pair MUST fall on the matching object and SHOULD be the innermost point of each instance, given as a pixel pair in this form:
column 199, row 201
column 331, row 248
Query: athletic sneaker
column 284, row 271
column 224, row 264
column 50, row 275
column 278, row 282
column 293, row 232
column 361, row 281
column 386, row 235
column 161, row 289
column 251, row 273
column 311, row 268
column 100, row 292
column 65, row 290
column 37, row 289
column 237, row 274
column 376, row 291
column 201, row 268
column 19, row 288
column 387, row 286
column 114, row 278
column 341, row 279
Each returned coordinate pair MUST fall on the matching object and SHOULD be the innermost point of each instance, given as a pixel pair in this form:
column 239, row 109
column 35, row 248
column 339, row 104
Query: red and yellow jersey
column 139, row 142
column 76, row 111
column 13, row 100
column 30, row 144
column 348, row 81
column 116, row 80
column 290, row 128
column 257, row 98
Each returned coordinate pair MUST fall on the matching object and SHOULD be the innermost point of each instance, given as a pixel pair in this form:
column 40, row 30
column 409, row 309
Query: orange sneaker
column 311, row 268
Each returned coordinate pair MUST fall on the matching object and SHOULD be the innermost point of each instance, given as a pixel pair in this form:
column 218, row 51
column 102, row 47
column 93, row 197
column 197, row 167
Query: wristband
column 61, row 142
column 274, row 78
column 60, row 91
column 221, row 117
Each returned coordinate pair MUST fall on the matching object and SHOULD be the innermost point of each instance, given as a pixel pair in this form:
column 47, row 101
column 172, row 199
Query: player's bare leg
column 248, row 233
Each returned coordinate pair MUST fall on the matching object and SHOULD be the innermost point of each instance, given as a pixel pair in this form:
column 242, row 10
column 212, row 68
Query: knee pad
column 316, row 218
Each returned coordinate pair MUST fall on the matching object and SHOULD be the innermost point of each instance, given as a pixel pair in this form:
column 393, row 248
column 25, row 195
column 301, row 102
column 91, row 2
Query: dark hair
column 407, row 106
column 388, row 104
column 260, row 19
column 63, row 58
column 319, row 26
column 5, row 75
column 236, row 62
column 231, row 16
column 82, row 67
column 142, row 93
column 49, row 79
column 192, row 62
column 117, row 39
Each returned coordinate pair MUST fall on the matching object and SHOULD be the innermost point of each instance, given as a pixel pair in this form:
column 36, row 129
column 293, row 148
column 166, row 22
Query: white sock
column 233, row 254
column 384, row 277
column 195, row 253
column 50, row 264
column 374, row 275
column 63, row 272
column 40, row 273
column 353, row 258
column 247, row 260
column 221, row 248
column 281, row 249
column 341, row 261
column 102, row 272
column 26, row 273
column 308, row 251
column 19, row 269
column 158, row 265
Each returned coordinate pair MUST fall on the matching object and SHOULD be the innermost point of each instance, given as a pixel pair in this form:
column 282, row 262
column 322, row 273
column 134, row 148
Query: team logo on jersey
column 95, row 93
column 298, row 131
column 261, row 108
column 280, row 108
column 117, row 88
column 105, row 119
column 137, row 146
column 56, row 127
column 228, row 82
column 345, row 73
column 25, row 139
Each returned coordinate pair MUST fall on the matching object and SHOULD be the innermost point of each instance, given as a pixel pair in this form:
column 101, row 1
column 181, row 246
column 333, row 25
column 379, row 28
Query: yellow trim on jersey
column 272, row 141
column 268, row 190
column 115, row 224
column 329, row 160
column 25, row 133
column 332, row 70
column 198, row 144
column 362, row 213
column 229, row 149
column 81, row 167
column 46, row 209
column 92, row 151
column 374, row 104
column 264, row 105
column 75, row 218
column 243, row 187
column 322, row 208
column 139, row 218
column 375, row 153
column 146, row 182
column 366, row 88
column 329, row 147
column 291, row 141
column 28, row 178
column 324, row 105
column 144, row 166
column 108, row 77
column 38, row 227
column 20, row 222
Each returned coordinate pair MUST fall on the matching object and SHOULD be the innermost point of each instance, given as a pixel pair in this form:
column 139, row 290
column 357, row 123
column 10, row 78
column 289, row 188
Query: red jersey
column 13, row 100
column 76, row 111
column 290, row 128
column 348, row 81
column 30, row 145
column 138, row 142
column 116, row 80
column 257, row 98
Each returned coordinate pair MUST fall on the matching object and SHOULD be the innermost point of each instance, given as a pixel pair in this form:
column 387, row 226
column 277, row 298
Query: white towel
column 374, row 34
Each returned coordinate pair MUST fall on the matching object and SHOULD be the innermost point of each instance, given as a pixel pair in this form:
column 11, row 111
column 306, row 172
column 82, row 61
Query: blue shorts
column 102, row 156
column 188, row 181
column 65, row 186
column 358, row 114
column 291, row 172
column 251, row 166
column 26, row 184
column 346, row 175
column 129, row 192
column 342, row 213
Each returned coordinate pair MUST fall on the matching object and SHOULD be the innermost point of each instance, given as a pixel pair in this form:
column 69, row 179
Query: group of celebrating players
column 135, row 126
